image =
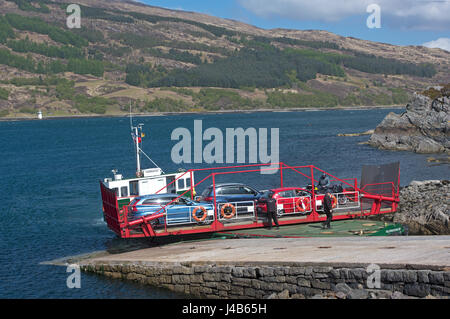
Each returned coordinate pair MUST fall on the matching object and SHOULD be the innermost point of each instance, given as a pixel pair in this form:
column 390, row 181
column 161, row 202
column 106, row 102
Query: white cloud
column 411, row 14
column 442, row 43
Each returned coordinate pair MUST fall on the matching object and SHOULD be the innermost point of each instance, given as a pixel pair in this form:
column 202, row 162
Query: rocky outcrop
column 423, row 128
column 425, row 207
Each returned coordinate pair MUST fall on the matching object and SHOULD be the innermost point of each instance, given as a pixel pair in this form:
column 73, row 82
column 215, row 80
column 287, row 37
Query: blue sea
column 50, row 172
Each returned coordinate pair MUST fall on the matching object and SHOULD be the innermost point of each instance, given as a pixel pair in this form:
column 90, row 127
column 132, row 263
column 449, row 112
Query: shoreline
column 305, row 109
column 413, row 267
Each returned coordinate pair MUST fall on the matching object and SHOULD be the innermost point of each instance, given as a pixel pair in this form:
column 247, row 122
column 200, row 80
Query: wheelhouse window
column 188, row 182
column 180, row 183
column 124, row 191
column 134, row 188
column 115, row 190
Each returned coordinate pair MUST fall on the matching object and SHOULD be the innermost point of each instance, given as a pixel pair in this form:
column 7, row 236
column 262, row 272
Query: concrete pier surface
column 416, row 250
column 335, row 267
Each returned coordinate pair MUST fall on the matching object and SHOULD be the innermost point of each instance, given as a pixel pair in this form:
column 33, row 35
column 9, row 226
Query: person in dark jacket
column 324, row 182
column 272, row 210
column 328, row 209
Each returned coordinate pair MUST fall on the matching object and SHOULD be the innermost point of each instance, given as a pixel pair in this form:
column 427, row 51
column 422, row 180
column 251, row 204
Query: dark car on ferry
column 290, row 200
column 234, row 200
column 229, row 192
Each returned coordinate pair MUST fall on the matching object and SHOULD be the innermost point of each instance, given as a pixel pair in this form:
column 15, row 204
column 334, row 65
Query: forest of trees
column 6, row 31
column 26, row 5
column 4, row 93
column 173, row 54
column 373, row 64
column 263, row 65
column 79, row 66
column 96, row 104
column 38, row 25
column 137, row 41
column 64, row 52
column 99, row 13
column 144, row 75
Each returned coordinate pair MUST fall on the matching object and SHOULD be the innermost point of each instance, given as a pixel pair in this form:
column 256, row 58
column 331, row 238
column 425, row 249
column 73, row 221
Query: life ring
column 226, row 214
column 303, row 204
column 204, row 214
column 333, row 201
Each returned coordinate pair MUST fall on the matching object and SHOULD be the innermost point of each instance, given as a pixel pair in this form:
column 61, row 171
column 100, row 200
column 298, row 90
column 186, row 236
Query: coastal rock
column 358, row 294
column 425, row 207
column 423, row 128
column 343, row 288
column 281, row 295
column 369, row 132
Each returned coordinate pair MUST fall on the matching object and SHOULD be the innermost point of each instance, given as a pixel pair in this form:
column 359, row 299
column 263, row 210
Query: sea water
column 50, row 172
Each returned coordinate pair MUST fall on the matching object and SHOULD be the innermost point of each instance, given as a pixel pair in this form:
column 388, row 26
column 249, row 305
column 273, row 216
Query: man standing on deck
column 272, row 210
column 328, row 209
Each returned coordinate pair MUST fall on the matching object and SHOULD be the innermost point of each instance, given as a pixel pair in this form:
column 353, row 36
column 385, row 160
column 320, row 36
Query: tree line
column 263, row 65
column 38, row 25
column 26, row 5
column 173, row 54
column 79, row 66
column 64, row 52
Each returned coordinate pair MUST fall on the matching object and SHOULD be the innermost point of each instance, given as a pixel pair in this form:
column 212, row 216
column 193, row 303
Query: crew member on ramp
column 328, row 209
column 272, row 210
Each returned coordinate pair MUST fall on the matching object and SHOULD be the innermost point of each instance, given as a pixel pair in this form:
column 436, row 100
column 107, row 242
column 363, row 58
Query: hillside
column 163, row 60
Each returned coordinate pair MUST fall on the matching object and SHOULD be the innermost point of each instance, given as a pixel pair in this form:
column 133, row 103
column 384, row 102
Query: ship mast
column 137, row 139
column 137, row 135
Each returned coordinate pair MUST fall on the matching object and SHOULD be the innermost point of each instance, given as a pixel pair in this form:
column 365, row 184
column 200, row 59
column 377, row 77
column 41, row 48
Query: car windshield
column 288, row 194
column 246, row 190
column 158, row 201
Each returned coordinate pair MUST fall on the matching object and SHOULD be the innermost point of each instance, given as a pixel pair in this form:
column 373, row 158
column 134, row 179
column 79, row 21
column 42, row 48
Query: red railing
column 118, row 221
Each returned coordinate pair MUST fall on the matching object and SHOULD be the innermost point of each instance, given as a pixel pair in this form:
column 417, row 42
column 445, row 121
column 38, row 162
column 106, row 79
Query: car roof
column 228, row 184
column 282, row 189
column 156, row 196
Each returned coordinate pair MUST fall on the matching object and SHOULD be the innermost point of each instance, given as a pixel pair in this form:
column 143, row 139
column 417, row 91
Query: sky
column 399, row 22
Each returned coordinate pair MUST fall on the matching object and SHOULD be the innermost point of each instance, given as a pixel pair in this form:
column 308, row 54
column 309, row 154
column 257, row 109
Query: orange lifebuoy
column 303, row 204
column 204, row 214
column 333, row 201
column 226, row 214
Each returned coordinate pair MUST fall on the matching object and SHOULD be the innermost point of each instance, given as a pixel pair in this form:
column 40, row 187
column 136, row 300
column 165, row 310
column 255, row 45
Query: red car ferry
column 371, row 196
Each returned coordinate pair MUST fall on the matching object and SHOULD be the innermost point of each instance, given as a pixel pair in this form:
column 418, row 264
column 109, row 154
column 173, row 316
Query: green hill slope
column 173, row 61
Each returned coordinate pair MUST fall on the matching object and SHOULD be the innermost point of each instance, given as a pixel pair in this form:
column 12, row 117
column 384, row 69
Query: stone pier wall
column 293, row 280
